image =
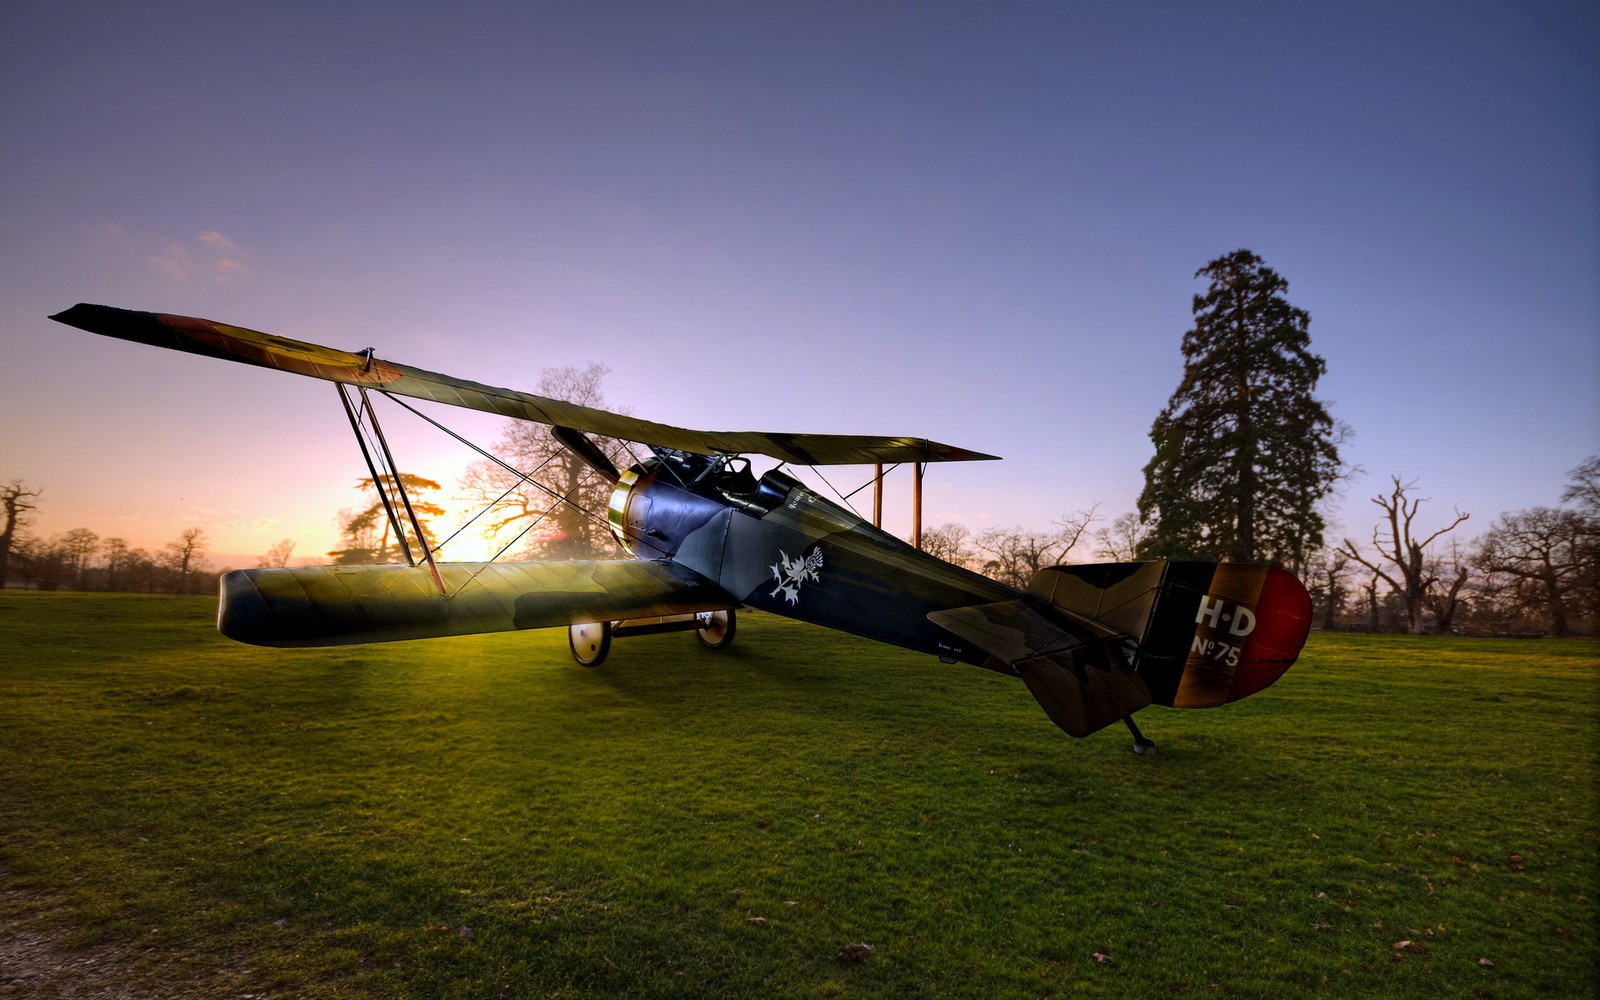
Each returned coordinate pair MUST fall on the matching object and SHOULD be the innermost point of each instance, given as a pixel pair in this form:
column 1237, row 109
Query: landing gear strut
column 1140, row 743
column 591, row 641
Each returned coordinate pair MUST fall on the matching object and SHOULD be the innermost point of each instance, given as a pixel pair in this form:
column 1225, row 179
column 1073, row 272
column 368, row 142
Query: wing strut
column 916, row 504
column 877, row 494
column 394, row 478
column 918, row 468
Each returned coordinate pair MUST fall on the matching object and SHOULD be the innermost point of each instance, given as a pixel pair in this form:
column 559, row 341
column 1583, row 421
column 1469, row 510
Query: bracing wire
column 844, row 498
column 507, row 547
column 370, row 447
column 864, row 485
column 525, row 477
column 487, row 508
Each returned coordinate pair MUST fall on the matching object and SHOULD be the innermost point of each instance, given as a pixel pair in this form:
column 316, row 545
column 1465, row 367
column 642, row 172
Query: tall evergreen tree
column 1245, row 454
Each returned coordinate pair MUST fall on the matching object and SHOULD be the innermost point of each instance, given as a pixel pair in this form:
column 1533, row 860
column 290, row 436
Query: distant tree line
column 81, row 560
column 1533, row 572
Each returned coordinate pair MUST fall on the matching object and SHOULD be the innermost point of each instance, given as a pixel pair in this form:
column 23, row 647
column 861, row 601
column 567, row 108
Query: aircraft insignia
column 790, row 574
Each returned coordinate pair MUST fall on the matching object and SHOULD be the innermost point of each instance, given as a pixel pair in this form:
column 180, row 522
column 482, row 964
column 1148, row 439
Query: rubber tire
column 590, row 642
column 720, row 632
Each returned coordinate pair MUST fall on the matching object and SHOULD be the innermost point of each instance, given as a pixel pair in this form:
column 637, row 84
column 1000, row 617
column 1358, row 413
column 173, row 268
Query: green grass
column 480, row 817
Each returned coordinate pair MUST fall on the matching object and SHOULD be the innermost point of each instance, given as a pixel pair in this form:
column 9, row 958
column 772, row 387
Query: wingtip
column 100, row 319
column 75, row 315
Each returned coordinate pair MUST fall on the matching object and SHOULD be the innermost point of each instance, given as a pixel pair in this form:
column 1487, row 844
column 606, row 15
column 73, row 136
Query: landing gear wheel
column 590, row 642
column 716, row 628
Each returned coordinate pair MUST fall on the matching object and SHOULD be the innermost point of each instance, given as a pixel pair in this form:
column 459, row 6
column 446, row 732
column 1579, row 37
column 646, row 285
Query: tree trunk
column 1558, row 608
column 1445, row 613
column 1330, row 610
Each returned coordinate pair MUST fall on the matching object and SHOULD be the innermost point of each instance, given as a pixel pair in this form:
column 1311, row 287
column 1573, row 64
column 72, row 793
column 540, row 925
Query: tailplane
column 1203, row 634
column 1097, row 643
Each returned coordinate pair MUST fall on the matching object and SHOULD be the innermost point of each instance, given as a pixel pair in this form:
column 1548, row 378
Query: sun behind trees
column 368, row 533
column 554, row 516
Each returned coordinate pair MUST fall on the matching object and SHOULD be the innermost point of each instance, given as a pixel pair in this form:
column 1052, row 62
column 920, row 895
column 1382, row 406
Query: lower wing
column 346, row 605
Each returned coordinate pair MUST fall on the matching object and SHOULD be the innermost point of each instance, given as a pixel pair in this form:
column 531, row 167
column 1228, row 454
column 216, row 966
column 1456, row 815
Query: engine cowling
column 658, row 503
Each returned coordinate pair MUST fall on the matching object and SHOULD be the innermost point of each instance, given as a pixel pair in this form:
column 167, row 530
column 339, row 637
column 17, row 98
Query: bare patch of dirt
column 37, row 963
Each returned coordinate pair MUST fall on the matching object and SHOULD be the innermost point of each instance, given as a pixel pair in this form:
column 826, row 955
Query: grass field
column 481, row 817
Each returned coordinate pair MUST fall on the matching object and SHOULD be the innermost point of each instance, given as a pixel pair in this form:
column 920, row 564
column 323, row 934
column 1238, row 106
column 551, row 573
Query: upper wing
column 345, row 605
column 232, row 343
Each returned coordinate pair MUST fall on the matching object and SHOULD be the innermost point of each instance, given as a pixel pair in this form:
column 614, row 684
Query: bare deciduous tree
column 1584, row 490
column 1451, row 576
column 1583, row 493
column 1395, row 544
column 278, row 556
column 1327, row 575
column 182, row 556
column 1013, row 555
column 77, row 547
column 1374, row 614
column 949, row 542
column 1120, row 540
column 117, row 556
column 1542, row 549
column 562, row 511
column 16, row 501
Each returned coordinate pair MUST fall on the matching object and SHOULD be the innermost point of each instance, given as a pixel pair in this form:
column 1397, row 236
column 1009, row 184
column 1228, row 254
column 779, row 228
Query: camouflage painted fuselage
column 776, row 546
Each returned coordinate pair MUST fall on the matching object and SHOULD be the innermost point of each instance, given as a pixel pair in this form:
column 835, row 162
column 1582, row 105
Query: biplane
column 703, row 538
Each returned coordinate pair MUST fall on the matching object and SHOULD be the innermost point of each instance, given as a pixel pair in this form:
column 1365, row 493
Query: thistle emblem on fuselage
column 790, row 574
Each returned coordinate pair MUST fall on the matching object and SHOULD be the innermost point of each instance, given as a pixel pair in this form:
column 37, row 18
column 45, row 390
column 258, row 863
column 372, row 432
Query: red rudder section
column 1249, row 628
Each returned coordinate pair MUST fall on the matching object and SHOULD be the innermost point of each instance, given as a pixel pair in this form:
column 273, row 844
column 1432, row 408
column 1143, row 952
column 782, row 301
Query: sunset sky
column 972, row 222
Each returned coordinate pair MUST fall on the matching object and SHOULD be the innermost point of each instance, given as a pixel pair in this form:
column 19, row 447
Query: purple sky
column 976, row 223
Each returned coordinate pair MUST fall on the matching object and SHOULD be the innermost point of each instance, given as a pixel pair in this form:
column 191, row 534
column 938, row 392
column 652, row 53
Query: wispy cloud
column 209, row 256
column 174, row 262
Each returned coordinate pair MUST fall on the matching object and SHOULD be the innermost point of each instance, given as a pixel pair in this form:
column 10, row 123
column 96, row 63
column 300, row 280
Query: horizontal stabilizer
column 1207, row 633
column 345, row 605
column 1075, row 670
column 265, row 350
